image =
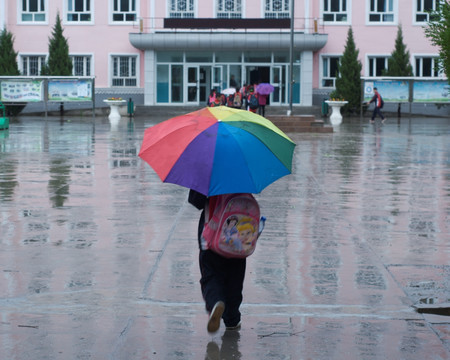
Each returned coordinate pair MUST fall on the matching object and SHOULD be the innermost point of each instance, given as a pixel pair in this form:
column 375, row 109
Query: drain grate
column 438, row 309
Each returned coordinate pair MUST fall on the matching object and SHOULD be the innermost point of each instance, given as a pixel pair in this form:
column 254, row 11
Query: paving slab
column 99, row 259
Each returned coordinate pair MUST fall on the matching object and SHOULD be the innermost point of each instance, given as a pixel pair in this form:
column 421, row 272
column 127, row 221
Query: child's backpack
column 253, row 102
column 234, row 227
column 237, row 102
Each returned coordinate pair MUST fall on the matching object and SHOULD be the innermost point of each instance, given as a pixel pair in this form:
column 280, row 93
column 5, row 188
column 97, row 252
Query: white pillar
column 149, row 77
column 306, row 78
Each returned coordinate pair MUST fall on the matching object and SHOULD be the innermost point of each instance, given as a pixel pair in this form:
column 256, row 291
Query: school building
column 173, row 52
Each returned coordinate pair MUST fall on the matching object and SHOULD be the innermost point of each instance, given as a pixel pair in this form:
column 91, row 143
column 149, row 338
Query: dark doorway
column 258, row 74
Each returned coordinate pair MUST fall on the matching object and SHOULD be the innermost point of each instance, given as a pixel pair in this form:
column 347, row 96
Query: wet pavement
column 98, row 258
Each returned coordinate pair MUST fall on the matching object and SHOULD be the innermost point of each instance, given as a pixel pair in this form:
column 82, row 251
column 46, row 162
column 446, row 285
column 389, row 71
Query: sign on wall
column 22, row 90
column 69, row 90
column 390, row 90
column 431, row 91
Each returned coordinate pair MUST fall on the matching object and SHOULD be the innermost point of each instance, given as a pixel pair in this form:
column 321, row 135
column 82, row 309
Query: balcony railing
column 152, row 24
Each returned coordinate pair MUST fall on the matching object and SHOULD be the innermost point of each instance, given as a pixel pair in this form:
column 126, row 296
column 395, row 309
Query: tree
column 398, row 63
column 348, row 78
column 8, row 65
column 59, row 62
column 438, row 31
column 8, row 62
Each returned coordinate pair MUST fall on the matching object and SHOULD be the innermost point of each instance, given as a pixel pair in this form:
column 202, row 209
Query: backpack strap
column 210, row 206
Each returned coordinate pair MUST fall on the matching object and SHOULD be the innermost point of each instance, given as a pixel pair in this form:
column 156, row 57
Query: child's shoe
column 215, row 316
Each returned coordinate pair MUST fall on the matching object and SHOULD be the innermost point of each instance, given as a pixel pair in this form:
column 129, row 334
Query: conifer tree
column 398, row 63
column 8, row 62
column 348, row 79
column 438, row 31
column 8, row 65
column 59, row 62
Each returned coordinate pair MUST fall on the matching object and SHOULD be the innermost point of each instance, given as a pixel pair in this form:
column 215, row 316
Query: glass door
column 217, row 78
column 276, row 79
column 192, row 82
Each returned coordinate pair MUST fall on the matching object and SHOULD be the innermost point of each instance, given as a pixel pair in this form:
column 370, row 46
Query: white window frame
column 435, row 72
column 422, row 12
column 325, row 58
column 114, row 12
column 229, row 9
column 181, row 9
column 69, row 8
column 376, row 56
column 270, row 11
column 40, row 12
column 85, row 58
column 382, row 14
column 347, row 12
column 42, row 60
column 112, row 67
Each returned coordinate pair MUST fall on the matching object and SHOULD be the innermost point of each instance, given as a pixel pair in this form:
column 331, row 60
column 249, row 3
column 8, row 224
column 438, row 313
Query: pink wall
column 100, row 39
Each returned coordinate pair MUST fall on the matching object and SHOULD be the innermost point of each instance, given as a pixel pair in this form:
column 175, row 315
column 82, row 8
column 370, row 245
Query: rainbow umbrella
column 218, row 150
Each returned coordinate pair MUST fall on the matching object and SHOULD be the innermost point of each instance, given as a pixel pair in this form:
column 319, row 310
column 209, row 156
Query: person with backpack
column 237, row 101
column 230, row 100
column 379, row 103
column 252, row 100
column 211, row 98
column 225, row 238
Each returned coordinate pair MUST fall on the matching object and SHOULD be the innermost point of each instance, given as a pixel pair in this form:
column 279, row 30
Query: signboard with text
column 70, row 90
column 21, row 90
column 431, row 91
column 414, row 89
column 390, row 90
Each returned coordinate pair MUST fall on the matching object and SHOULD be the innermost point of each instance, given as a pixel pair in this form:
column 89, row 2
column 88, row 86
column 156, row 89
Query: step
column 300, row 124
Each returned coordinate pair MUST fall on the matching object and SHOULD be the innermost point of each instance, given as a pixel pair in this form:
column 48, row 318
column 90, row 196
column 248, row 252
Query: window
column 124, row 72
column 335, row 10
column 33, row 10
column 277, row 9
column 79, row 10
column 377, row 65
column 330, row 66
column 181, row 8
column 124, row 10
column 32, row 64
column 81, row 65
column 427, row 66
column 381, row 11
column 229, row 9
column 422, row 8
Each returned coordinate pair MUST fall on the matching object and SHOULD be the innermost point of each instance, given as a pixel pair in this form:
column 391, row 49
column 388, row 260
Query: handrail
column 158, row 24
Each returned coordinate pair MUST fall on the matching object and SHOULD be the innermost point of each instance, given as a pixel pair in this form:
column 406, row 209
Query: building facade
column 174, row 51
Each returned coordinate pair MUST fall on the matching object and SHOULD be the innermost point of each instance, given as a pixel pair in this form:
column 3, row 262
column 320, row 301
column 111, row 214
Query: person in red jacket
column 377, row 99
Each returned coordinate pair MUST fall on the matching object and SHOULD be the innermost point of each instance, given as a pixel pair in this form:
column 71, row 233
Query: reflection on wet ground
column 98, row 258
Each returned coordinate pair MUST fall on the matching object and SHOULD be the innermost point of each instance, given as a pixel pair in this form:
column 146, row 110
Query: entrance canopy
column 270, row 41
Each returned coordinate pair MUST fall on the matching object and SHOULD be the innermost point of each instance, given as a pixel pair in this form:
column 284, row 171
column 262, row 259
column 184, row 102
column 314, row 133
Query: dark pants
column 376, row 111
column 222, row 279
column 262, row 110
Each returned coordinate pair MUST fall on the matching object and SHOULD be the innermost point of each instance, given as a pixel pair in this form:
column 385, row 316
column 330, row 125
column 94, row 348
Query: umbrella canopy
column 229, row 91
column 264, row 88
column 218, row 150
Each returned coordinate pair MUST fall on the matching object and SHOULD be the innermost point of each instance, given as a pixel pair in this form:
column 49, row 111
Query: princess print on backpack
column 234, row 227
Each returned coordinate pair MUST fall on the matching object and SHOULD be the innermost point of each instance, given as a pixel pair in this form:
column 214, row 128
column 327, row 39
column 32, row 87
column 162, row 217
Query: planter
column 114, row 105
column 336, row 117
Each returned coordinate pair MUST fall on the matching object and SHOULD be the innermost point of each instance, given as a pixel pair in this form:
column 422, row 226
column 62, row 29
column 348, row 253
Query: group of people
column 246, row 96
